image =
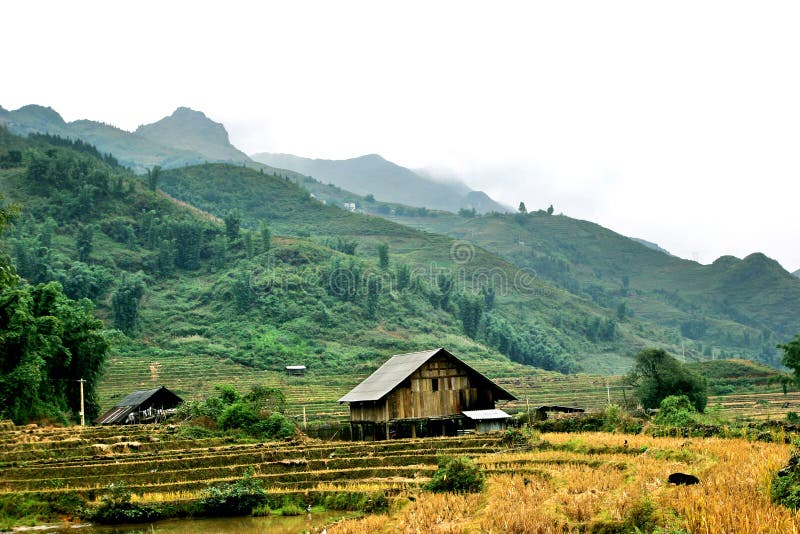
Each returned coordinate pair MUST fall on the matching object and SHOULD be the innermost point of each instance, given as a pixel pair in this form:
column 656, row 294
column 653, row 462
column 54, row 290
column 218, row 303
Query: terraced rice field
column 562, row 483
column 159, row 465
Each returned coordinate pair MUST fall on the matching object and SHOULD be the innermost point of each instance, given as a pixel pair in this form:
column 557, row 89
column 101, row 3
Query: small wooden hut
column 420, row 393
column 143, row 406
column 296, row 370
column 487, row 420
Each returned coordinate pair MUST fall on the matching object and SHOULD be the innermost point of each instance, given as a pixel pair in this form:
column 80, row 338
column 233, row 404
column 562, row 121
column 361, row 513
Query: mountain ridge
column 372, row 174
column 185, row 137
column 191, row 130
column 189, row 137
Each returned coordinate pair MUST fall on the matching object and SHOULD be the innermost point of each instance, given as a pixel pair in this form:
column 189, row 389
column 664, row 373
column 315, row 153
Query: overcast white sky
column 678, row 122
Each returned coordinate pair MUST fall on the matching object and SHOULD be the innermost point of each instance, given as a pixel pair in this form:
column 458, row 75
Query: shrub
column 520, row 437
column 19, row 509
column 785, row 486
column 291, row 509
column 276, row 426
column 116, row 507
column 238, row 415
column 238, row 498
column 262, row 510
column 457, row 475
column 354, row 501
column 676, row 410
column 615, row 419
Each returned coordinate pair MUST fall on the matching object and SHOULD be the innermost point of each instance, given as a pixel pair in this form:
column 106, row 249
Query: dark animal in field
column 682, row 479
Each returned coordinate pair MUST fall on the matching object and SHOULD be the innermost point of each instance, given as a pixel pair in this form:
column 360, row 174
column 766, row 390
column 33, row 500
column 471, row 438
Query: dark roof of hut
column 131, row 402
column 397, row 368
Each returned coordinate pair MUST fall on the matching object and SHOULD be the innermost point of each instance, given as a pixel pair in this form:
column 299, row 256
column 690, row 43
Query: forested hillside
column 732, row 307
column 503, row 298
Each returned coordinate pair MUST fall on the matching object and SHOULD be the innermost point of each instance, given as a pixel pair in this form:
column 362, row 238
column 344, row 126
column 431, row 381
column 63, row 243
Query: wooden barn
column 144, row 406
column 423, row 393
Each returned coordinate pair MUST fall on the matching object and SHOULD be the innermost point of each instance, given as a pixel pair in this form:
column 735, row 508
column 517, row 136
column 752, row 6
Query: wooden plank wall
column 415, row 397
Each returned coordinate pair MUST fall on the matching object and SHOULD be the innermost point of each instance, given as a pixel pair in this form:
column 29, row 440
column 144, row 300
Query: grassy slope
column 290, row 210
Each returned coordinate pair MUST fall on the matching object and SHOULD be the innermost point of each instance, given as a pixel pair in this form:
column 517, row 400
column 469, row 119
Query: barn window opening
column 435, row 384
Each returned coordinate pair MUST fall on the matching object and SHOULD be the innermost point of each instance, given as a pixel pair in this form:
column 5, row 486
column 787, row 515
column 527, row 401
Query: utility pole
column 83, row 420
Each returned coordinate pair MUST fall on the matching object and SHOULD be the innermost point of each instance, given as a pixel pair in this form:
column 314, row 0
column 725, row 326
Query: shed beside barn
column 143, row 406
column 487, row 420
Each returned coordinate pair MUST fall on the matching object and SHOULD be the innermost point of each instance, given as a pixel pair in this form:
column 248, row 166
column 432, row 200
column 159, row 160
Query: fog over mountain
column 386, row 181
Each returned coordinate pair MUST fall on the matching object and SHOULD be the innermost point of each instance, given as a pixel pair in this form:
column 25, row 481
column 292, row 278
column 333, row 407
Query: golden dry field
column 588, row 480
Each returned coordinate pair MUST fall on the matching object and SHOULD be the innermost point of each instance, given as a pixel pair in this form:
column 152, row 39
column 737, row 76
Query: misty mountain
column 386, row 181
column 190, row 130
column 797, row 273
column 186, row 137
column 34, row 119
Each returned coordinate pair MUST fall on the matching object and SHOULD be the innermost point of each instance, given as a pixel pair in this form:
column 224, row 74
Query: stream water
column 274, row 524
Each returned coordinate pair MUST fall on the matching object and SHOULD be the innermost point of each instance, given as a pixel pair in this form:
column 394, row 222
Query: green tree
column 444, row 282
column 403, row 276
column 470, row 311
column 249, row 249
column 165, row 260
column 550, row 209
column 791, row 357
column 232, row 224
column 622, row 311
column 522, row 209
column 153, row 176
column 85, row 281
column 83, row 241
column 383, row 256
column 266, row 236
column 125, row 302
column 47, row 342
column 374, row 287
column 242, row 290
column 656, row 375
column 188, row 242
column 8, row 276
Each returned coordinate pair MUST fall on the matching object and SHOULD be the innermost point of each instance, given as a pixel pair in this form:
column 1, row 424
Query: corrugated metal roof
column 114, row 415
column 137, row 397
column 395, row 370
column 131, row 403
column 295, row 367
column 482, row 415
column 387, row 376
